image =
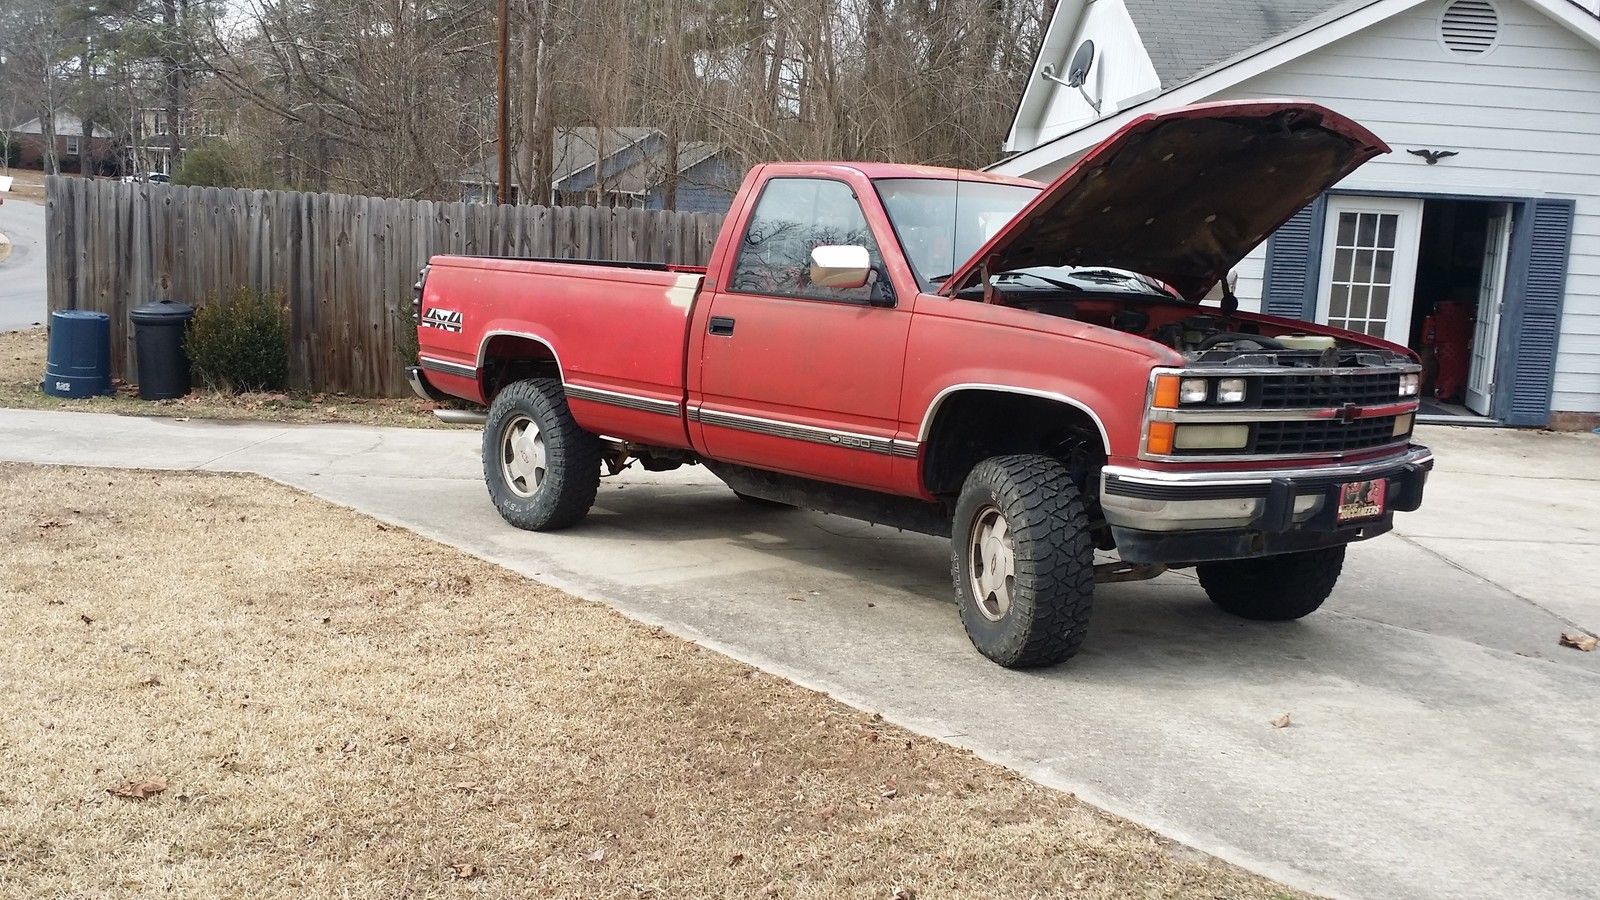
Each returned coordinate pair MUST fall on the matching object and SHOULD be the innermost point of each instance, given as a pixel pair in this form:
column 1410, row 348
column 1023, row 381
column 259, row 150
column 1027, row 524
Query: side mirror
column 842, row 266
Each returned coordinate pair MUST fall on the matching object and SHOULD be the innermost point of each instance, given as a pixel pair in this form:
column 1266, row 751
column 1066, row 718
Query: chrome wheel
column 522, row 456
column 992, row 563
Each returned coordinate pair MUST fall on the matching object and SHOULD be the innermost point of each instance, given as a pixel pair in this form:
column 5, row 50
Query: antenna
column 1077, row 73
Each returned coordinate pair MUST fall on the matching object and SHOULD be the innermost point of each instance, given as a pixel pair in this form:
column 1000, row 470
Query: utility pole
column 503, row 102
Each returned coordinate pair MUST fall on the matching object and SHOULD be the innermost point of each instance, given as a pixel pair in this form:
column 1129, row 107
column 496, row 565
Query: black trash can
column 159, row 341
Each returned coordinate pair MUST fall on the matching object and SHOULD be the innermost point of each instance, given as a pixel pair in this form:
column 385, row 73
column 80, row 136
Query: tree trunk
column 174, row 80
column 536, row 138
column 47, row 135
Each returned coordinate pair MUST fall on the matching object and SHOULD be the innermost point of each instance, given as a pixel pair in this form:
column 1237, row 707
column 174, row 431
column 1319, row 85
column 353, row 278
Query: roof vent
column 1469, row 27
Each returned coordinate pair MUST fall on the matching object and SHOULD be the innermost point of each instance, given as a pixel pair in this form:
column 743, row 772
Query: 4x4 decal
column 442, row 319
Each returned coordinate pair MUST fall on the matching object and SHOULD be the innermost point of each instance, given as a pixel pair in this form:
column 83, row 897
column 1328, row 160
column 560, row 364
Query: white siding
column 1252, row 270
column 1525, row 118
column 1121, row 75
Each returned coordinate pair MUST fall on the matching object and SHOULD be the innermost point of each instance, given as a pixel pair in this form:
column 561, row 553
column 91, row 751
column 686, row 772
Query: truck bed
column 617, row 331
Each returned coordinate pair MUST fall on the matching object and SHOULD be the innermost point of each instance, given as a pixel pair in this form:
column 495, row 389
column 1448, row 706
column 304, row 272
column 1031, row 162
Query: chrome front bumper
column 1173, row 517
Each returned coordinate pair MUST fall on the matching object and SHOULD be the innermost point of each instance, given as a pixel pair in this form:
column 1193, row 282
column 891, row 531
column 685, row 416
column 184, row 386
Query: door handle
column 721, row 325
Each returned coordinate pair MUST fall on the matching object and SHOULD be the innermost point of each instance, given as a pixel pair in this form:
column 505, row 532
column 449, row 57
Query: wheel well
column 972, row 426
column 509, row 358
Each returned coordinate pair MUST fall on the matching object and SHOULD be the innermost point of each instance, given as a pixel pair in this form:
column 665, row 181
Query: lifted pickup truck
column 1021, row 367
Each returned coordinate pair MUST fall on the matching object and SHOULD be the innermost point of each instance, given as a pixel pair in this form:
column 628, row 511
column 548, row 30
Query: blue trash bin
column 79, row 360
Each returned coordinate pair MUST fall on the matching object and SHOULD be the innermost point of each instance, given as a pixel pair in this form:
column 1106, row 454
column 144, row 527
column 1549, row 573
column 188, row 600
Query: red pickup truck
column 1023, row 368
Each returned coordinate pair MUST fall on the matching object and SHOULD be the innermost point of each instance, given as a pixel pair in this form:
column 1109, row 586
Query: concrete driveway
column 1442, row 744
column 22, row 281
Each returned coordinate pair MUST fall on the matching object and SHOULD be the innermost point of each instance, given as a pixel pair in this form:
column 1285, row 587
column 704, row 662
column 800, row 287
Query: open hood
column 1181, row 196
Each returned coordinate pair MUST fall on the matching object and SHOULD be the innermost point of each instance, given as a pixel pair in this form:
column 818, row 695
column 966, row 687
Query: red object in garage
column 1452, row 339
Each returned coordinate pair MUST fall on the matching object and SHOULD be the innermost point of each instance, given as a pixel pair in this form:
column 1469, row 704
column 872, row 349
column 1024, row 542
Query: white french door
column 1491, row 291
column 1369, row 265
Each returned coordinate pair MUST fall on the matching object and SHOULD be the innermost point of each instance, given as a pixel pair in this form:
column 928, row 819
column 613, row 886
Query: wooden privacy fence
column 343, row 264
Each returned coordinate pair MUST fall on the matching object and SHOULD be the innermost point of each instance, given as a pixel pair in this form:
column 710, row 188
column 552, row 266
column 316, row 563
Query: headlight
column 1230, row 390
column 1212, row 437
column 1410, row 384
column 1193, row 390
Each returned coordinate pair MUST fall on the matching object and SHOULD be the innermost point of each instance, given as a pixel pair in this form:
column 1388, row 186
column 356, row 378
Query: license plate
column 1361, row 499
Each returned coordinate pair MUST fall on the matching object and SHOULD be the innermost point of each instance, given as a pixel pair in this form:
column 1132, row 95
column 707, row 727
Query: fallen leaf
column 149, row 681
column 349, row 747
column 901, row 892
column 598, row 855
column 735, row 859
column 49, row 524
column 139, row 790
column 1281, row 721
column 466, row 870
column 797, row 597
column 1577, row 640
column 86, row 619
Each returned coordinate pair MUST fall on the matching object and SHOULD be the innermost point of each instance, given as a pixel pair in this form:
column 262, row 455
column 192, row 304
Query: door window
column 1363, row 271
column 792, row 217
column 1369, row 265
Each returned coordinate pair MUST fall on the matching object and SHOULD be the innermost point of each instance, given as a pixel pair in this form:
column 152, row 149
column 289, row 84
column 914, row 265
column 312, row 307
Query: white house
column 1476, row 242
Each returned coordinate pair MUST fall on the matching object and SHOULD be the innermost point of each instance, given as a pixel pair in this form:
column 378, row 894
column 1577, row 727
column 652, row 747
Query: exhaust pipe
column 1118, row 572
column 461, row 416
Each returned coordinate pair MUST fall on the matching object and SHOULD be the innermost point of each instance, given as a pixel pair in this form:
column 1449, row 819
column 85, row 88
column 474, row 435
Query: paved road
column 22, row 300
column 1442, row 745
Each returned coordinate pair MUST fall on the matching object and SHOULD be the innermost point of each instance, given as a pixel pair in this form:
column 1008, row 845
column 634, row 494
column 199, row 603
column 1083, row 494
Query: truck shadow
column 1135, row 628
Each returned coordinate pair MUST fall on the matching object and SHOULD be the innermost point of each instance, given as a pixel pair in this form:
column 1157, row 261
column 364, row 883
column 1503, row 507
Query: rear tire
column 1022, row 561
column 1273, row 588
column 542, row 469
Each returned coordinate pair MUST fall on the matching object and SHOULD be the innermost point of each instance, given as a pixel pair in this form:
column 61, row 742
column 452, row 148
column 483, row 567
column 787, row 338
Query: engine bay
column 1204, row 335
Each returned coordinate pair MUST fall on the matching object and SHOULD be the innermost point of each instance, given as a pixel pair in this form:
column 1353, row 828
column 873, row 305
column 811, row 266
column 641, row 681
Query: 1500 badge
column 442, row 319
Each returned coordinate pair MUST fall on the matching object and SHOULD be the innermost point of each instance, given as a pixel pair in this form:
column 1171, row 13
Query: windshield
column 942, row 222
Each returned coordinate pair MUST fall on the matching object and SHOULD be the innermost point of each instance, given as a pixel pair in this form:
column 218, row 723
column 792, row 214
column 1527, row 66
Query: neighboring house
column 1483, row 253
column 149, row 148
column 626, row 167
column 71, row 145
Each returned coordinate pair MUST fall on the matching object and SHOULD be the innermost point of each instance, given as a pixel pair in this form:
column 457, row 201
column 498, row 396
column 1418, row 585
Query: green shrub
column 241, row 344
column 211, row 164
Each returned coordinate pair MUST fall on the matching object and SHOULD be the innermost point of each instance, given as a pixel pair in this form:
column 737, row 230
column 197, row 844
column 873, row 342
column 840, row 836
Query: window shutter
column 1533, row 365
column 1293, row 255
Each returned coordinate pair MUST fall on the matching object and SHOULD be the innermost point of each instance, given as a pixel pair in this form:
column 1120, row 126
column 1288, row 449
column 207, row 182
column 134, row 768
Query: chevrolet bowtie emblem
column 1349, row 413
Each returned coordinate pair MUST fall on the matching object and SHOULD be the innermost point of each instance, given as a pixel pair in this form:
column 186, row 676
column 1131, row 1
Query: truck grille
column 1308, row 391
column 1322, row 436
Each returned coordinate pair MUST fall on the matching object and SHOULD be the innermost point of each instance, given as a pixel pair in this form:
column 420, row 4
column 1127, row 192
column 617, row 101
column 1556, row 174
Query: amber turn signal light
column 1166, row 394
column 1159, row 440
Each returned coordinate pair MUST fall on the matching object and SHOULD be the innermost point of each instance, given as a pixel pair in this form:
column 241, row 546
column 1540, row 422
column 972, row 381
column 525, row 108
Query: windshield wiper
column 1054, row 282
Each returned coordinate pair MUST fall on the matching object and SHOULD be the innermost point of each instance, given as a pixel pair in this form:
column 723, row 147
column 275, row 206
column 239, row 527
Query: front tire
column 542, row 469
column 1022, row 561
column 1273, row 588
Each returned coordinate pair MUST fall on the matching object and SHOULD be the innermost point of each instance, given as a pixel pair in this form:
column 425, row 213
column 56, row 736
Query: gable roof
column 650, row 171
column 1582, row 17
column 577, row 149
column 1188, row 37
column 67, row 125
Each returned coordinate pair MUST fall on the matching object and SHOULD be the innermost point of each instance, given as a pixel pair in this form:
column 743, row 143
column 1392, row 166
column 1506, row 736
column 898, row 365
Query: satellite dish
column 1078, row 69
column 1077, row 73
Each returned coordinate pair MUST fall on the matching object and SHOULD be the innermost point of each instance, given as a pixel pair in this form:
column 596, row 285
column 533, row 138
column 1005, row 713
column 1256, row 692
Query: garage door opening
column 1457, row 300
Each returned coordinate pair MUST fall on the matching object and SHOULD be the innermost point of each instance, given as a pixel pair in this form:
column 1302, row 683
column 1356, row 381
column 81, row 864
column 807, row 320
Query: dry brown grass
column 343, row 709
column 26, row 183
column 22, row 358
